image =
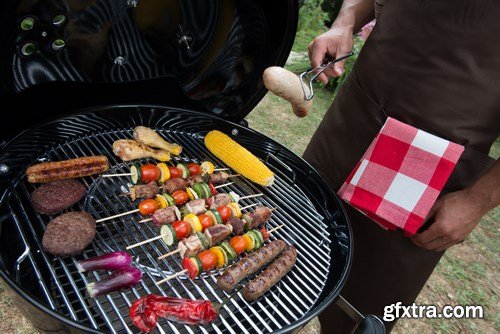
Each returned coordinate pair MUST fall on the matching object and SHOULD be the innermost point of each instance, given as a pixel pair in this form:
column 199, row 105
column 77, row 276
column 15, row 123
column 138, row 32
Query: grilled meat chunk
column 53, row 197
column 149, row 190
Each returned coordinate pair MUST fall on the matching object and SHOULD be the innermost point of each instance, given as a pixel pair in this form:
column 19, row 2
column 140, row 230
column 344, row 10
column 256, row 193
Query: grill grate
column 302, row 289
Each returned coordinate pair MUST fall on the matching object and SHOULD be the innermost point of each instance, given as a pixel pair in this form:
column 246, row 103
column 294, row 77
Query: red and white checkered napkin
column 400, row 176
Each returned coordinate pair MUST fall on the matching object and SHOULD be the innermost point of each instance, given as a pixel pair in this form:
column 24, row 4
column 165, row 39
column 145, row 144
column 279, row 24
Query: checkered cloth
column 400, row 176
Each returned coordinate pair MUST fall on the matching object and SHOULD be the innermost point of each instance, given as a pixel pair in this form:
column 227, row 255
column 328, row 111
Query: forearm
column 354, row 14
column 485, row 192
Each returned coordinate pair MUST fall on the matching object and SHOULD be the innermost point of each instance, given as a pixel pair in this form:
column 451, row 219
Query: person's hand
column 334, row 43
column 455, row 216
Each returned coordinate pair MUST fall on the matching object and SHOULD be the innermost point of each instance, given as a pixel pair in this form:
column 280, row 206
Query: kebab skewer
column 218, row 256
column 149, row 206
column 217, row 225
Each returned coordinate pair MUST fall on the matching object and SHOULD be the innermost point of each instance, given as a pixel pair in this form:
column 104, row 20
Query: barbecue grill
column 182, row 68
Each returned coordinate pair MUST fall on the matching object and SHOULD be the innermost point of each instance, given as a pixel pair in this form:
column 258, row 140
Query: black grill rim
column 331, row 297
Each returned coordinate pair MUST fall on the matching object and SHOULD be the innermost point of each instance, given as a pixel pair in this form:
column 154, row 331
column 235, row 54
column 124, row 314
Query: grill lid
column 214, row 52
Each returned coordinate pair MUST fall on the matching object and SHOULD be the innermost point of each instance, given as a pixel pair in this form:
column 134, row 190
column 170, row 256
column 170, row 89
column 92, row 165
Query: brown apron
column 433, row 64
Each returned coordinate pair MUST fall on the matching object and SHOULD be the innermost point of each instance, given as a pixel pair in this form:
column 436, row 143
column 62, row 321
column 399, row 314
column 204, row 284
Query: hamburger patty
column 53, row 197
column 69, row 233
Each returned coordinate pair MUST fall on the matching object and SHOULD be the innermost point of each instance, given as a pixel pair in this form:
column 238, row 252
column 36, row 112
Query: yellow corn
column 238, row 158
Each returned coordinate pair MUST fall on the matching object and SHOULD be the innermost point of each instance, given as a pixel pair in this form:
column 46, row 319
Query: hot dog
column 249, row 265
column 67, row 169
column 269, row 277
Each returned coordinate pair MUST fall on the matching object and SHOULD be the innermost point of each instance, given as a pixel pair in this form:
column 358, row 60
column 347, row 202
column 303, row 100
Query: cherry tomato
column 208, row 260
column 206, row 221
column 180, row 197
column 192, row 266
column 149, row 172
column 194, row 169
column 174, row 172
column 212, row 188
column 225, row 213
column 182, row 229
column 238, row 243
column 264, row 232
column 148, row 207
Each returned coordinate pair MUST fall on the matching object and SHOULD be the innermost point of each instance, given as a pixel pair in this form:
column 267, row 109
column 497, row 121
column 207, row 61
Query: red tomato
column 264, row 232
column 212, row 188
column 148, row 207
column 208, row 260
column 180, row 197
column 174, row 172
column 225, row 213
column 194, row 169
column 238, row 243
column 182, row 229
column 205, row 221
column 192, row 267
column 150, row 172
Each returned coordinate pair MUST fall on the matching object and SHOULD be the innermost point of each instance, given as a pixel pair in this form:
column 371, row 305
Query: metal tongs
column 307, row 81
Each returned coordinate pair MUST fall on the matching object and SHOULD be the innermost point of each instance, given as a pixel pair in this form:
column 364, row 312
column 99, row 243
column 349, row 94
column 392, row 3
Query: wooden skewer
column 249, row 206
column 220, row 169
column 276, row 228
column 169, row 254
column 145, row 241
column 223, row 185
column 118, row 215
column 145, row 220
column 119, row 174
column 252, row 196
column 234, row 175
column 273, row 209
column 172, row 277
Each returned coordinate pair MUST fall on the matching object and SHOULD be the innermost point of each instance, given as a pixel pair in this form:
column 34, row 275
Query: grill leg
column 369, row 324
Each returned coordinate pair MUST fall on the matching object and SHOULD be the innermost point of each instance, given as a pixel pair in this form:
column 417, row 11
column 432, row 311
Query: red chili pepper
column 145, row 311
column 212, row 188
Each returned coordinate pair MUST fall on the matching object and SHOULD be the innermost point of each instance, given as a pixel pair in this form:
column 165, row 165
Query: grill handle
column 284, row 165
column 369, row 324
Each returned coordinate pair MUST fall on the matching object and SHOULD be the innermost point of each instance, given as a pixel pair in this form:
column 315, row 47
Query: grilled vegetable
column 149, row 172
column 145, row 311
column 194, row 169
column 184, row 170
column 221, row 256
column 161, row 201
column 164, row 172
column 206, row 221
column 238, row 158
column 119, row 279
column 148, row 207
column 109, row 261
column 225, row 213
column 180, row 197
column 194, row 222
column 235, row 209
column 231, row 254
column 135, row 173
column 174, row 172
column 216, row 217
column 208, row 260
column 238, row 243
column 168, row 234
column 193, row 266
column 207, row 167
column 170, row 199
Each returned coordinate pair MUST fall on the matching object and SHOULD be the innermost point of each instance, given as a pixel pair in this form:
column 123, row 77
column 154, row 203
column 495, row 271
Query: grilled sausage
column 269, row 277
column 249, row 265
column 67, row 169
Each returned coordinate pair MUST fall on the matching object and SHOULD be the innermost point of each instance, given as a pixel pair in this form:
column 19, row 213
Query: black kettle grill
column 82, row 74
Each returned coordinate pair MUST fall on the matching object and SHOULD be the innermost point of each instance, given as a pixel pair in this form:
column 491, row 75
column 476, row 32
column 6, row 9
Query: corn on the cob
column 238, row 158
